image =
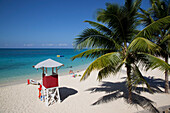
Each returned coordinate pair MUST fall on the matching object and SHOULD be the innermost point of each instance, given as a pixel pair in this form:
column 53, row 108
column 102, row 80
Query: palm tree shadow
column 66, row 92
column 116, row 90
column 156, row 84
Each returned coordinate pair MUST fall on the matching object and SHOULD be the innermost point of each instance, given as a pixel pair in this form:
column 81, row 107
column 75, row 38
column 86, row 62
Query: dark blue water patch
column 13, row 66
column 36, row 52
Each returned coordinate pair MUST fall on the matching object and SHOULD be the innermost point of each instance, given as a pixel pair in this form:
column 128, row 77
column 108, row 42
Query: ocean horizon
column 16, row 63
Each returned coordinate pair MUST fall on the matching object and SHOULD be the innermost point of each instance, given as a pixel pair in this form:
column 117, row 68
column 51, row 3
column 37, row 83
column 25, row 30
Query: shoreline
column 25, row 82
column 37, row 77
column 16, row 64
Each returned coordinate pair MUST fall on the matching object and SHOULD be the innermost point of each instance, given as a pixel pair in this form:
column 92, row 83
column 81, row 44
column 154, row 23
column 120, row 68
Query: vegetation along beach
column 103, row 56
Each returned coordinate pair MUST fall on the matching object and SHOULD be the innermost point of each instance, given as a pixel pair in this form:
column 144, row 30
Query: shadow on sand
column 66, row 92
column 116, row 90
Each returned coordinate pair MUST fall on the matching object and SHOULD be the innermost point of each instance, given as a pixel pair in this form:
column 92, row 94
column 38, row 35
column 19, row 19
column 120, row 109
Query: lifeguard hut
column 50, row 84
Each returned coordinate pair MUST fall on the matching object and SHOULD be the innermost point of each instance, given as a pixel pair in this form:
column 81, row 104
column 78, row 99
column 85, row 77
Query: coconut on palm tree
column 113, row 45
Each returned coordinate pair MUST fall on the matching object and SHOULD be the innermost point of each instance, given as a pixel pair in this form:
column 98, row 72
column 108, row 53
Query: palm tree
column 113, row 45
column 159, row 9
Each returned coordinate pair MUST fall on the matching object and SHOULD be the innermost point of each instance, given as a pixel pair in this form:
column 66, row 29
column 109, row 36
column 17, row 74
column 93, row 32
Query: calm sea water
column 16, row 64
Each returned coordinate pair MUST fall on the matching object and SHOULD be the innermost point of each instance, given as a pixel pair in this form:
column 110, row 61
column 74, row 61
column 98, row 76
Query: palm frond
column 138, row 77
column 155, row 9
column 91, row 38
column 145, row 17
column 136, row 31
column 166, row 39
column 141, row 44
column 104, row 15
column 168, row 11
column 160, row 8
column 137, row 4
column 114, row 17
column 92, row 53
column 100, row 27
column 113, row 58
column 151, row 62
column 168, row 31
column 153, row 27
column 144, row 11
column 132, row 6
column 106, row 71
column 165, row 45
column 120, row 19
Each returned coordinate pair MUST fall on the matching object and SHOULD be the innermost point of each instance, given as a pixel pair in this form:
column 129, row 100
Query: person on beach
column 71, row 72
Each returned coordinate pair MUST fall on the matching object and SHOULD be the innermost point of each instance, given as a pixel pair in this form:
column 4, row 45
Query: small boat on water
column 60, row 55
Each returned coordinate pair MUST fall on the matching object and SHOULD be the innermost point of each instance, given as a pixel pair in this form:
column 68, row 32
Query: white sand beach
column 77, row 97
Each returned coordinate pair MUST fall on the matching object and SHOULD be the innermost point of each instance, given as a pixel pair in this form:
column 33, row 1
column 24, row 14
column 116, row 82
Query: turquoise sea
column 16, row 64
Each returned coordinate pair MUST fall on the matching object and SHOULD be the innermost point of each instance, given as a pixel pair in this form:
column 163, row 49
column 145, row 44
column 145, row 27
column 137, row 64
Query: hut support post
column 56, row 70
column 46, row 70
column 52, row 70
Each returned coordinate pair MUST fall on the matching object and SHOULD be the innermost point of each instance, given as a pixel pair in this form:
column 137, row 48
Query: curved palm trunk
column 129, row 83
column 166, row 77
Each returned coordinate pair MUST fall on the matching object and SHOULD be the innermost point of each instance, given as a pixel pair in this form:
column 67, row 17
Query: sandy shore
column 89, row 96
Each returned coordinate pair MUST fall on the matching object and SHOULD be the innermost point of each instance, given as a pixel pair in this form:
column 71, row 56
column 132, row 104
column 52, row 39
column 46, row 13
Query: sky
column 47, row 23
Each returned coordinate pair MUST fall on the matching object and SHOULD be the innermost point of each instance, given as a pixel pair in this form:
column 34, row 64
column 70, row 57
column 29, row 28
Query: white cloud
column 47, row 45
column 55, row 45
column 28, row 45
column 62, row 45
